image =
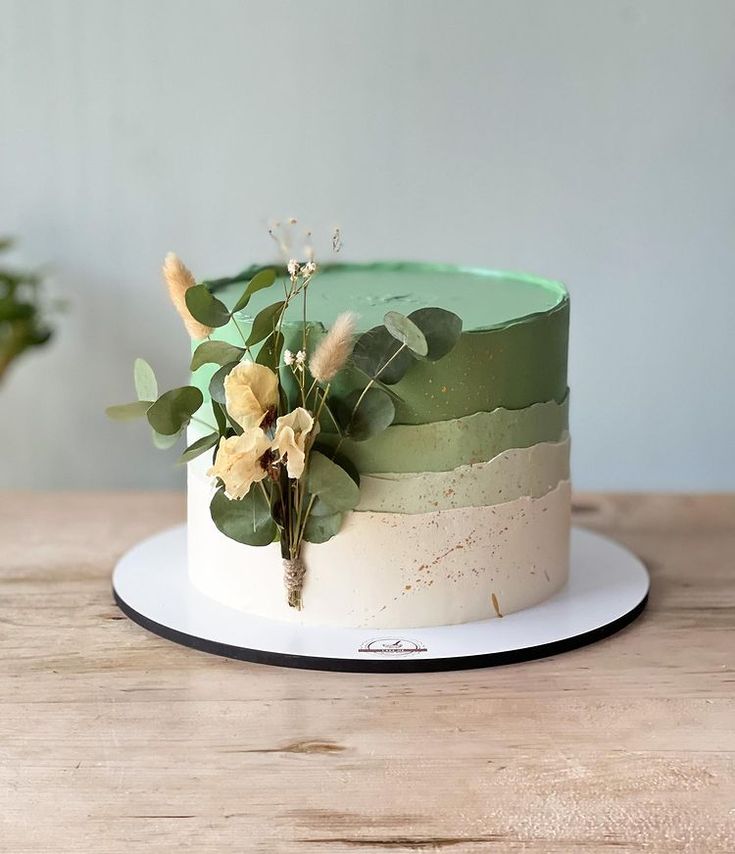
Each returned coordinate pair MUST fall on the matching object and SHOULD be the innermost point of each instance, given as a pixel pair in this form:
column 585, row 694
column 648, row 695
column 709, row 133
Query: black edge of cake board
column 350, row 665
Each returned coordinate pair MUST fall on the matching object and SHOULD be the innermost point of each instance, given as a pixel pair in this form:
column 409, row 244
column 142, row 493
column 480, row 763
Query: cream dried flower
column 288, row 358
column 239, row 462
column 251, row 394
column 334, row 349
column 293, row 268
column 179, row 279
column 292, row 431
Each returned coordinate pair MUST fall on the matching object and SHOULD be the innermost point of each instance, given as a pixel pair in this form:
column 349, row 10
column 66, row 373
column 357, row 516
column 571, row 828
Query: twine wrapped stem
column 294, row 570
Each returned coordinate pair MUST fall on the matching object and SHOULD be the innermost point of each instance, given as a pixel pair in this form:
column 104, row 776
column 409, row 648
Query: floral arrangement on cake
column 283, row 402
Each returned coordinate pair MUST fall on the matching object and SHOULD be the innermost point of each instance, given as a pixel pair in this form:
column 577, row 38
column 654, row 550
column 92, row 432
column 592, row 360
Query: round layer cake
column 464, row 509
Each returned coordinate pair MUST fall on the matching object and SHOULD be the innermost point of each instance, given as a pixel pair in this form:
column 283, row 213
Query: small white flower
column 309, row 268
column 293, row 268
column 288, row 358
column 301, row 358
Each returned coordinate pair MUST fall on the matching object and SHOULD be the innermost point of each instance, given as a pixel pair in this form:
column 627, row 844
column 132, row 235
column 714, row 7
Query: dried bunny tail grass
column 334, row 350
column 179, row 279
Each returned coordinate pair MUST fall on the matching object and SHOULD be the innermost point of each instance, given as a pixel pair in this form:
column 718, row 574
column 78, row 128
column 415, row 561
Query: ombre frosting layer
column 512, row 474
column 445, row 445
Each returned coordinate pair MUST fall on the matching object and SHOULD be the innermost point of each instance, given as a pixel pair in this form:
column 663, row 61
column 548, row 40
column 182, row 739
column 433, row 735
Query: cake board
column 607, row 589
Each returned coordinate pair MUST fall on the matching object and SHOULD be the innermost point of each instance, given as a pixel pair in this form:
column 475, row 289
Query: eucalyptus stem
column 304, row 319
column 383, row 386
column 282, row 314
column 376, row 378
column 266, row 494
column 205, row 424
column 299, row 507
column 244, row 339
column 311, row 388
column 331, row 415
column 306, row 519
column 373, row 380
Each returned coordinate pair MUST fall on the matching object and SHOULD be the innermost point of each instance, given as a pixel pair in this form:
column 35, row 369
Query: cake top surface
column 484, row 299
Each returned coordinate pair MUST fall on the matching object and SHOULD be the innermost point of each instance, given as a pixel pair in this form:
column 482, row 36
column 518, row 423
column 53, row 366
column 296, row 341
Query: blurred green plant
column 21, row 323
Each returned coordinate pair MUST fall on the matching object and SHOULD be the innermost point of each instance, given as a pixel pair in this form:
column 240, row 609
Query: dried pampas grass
column 179, row 279
column 334, row 350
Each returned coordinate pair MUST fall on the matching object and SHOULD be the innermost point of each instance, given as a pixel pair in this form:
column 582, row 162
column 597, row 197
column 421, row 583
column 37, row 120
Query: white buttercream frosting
column 511, row 474
column 388, row 570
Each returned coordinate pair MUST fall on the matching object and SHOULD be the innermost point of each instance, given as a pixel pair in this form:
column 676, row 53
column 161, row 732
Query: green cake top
column 485, row 299
column 512, row 352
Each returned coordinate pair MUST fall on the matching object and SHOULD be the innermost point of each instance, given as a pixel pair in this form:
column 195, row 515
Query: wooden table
column 113, row 740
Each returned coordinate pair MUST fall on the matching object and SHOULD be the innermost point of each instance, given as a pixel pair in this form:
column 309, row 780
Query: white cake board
column 607, row 589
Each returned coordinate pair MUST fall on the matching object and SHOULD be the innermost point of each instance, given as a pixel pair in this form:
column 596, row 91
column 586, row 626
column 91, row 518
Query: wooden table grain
column 114, row 740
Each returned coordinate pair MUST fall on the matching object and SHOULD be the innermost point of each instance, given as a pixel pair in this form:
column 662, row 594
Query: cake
column 463, row 511
column 370, row 445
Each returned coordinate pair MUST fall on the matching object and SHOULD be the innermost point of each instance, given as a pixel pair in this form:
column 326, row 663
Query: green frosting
column 532, row 472
column 512, row 352
column 484, row 299
column 511, row 367
column 445, row 445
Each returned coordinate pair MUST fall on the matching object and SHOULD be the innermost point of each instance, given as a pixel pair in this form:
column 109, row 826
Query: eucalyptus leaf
column 206, row 308
column 12, row 310
column 327, row 444
column 217, row 383
column 173, row 409
column 215, row 353
column 128, row 411
column 270, row 352
column 264, row 323
column 364, row 416
column 247, row 520
column 331, row 483
column 321, row 508
column 219, row 417
column 231, row 421
column 199, row 447
column 380, row 356
column 441, row 329
column 163, row 443
column 146, row 386
column 39, row 335
column 319, row 529
column 261, row 280
column 407, row 332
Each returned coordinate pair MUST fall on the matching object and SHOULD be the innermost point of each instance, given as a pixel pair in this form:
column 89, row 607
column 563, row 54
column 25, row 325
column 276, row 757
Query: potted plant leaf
column 22, row 326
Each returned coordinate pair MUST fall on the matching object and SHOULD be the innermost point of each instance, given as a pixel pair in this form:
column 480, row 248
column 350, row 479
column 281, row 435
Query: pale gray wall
column 588, row 141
